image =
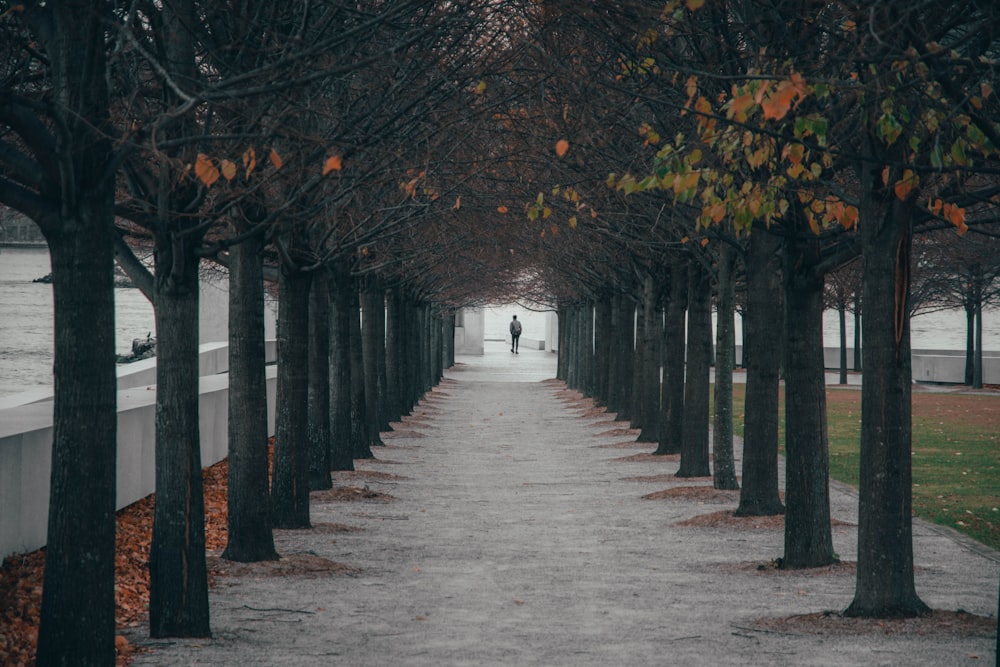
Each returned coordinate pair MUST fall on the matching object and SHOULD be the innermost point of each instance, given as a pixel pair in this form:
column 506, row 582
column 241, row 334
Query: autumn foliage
column 21, row 574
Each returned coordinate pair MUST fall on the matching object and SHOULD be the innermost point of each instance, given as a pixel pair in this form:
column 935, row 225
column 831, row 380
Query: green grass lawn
column 956, row 455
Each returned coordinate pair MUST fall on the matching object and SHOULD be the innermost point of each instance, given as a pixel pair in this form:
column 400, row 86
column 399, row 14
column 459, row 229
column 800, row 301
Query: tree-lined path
column 517, row 534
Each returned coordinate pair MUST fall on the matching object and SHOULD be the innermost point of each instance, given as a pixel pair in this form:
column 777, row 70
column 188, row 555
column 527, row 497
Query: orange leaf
column 777, row 105
column 205, row 170
column 228, row 169
column 956, row 216
column 250, row 160
column 458, row 203
column 906, row 184
column 561, row 147
column 501, row 209
column 695, row 4
column 333, row 163
column 275, row 159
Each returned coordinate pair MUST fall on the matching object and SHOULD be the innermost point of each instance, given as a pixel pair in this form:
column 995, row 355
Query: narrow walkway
column 518, row 535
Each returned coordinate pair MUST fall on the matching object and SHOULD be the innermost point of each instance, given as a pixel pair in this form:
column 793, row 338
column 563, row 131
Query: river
column 26, row 322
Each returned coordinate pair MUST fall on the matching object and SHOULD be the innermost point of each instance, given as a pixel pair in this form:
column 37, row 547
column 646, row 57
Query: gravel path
column 517, row 535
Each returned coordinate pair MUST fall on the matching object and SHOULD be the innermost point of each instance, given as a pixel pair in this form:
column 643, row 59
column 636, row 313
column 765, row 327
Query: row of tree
column 769, row 145
column 384, row 163
column 308, row 145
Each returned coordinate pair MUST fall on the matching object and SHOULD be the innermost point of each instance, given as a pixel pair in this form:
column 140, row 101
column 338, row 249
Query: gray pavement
column 518, row 536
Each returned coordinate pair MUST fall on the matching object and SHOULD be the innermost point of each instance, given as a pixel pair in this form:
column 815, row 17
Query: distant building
column 16, row 229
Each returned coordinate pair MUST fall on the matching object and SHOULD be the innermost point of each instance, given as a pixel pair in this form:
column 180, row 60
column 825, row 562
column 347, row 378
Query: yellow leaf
column 695, row 4
column 480, row 88
column 561, row 147
column 205, row 170
column 333, row 163
column 275, row 159
column 228, row 169
column 572, row 222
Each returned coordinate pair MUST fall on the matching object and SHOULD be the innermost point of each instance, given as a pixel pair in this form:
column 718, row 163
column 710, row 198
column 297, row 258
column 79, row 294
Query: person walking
column 515, row 333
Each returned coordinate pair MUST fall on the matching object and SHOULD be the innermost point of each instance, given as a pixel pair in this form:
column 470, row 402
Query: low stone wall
column 26, row 443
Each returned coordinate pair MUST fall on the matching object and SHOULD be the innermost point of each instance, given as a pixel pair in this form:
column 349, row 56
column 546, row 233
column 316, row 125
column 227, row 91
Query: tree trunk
column 977, row 373
column 78, row 598
column 178, row 579
column 615, row 369
column 624, row 355
column 808, row 539
column 602, row 351
column 842, row 318
column 759, row 496
column 249, row 516
column 81, row 521
column 724, row 469
column 572, row 347
column 562, row 315
column 885, row 586
column 857, row 332
column 672, row 429
column 636, row 385
column 694, row 443
column 341, row 456
column 372, row 339
column 649, row 388
column 290, row 478
column 394, row 354
column 970, row 342
column 361, row 437
column 320, row 446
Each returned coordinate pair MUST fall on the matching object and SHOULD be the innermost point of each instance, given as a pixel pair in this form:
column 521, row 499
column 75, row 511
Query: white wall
column 26, row 448
column 469, row 336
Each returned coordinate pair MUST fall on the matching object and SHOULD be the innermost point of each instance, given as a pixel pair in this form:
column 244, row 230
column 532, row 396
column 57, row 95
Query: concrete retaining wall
column 26, row 443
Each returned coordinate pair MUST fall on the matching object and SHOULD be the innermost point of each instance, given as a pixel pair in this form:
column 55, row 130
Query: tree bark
column 694, row 443
column 857, row 332
column 649, row 388
column 249, row 537
column 372, row 346
column 885, row 586
column 361, row 436
column 842, row 319
column 394, row 354
column 808, row 538
column 290, row 477
column 759, row 496
column 602, row 351
column 341, row 455
column 178, row 579
column 320, row 446
column 672, row 429
column 78, row 228
column 970, row 342
column 724, row 468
